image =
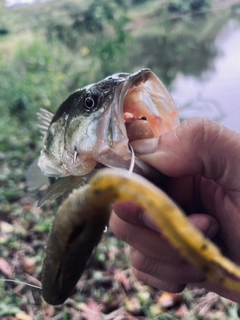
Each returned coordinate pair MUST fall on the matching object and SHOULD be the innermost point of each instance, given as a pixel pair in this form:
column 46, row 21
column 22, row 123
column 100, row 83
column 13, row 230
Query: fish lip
column 132, row 80
column 135, row 78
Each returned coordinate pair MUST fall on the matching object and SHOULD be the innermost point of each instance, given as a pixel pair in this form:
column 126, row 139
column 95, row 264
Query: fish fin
column 62, row 186
column 34, row 177
column 48, row 168
column 44, row 118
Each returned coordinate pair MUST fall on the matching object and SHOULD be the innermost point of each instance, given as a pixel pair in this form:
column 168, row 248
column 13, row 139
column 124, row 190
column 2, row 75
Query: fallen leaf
column 5, row 268
column 6, row 227
column 181, row 312
column 29, row 265
column 48, row 312
column 144, row 296
column 23, row 316
column 4, row 237
column 155, row 310
column 130, row 317
column 91, row 310
column 120, row 276
column 169, row 300
column 133, row 305
column 118, row 314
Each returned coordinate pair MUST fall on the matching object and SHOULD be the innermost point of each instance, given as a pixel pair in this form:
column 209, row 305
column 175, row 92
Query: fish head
column 95, row 124
column 81, row 129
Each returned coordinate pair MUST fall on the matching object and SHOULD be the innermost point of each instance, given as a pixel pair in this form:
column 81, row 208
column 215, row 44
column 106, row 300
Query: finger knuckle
column 144, row 263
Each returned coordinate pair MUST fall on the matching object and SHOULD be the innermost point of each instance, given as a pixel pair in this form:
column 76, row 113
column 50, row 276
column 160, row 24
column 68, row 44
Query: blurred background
column 48, row 49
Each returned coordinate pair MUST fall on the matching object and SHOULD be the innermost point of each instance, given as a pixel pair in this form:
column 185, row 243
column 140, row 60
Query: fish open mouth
column 148, row 108
column 141, row 108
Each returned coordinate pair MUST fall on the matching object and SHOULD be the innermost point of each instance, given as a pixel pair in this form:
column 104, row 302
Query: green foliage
column 43, row 225
column 45, row 66
column 8, row 304
column 28, row 80
column 77, row 20
column 97, row 30
column 187, row 6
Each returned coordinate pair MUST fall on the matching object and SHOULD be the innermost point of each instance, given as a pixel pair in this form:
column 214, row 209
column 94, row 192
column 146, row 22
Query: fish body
column 93, row 128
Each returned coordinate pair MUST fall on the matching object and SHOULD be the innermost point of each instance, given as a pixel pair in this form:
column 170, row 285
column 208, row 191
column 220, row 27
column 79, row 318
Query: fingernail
column 149, row 222
column 212, row 230
column 145, row 146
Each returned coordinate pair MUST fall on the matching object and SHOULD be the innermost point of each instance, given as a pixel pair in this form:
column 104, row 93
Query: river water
column 198, row 59
column 216, row 94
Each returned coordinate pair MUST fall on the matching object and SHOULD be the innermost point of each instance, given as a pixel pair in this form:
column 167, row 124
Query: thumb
column 196, row 146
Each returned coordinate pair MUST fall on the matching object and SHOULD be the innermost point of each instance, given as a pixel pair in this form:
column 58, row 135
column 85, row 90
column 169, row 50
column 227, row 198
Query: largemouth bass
column 94, row 126
column 93, row 129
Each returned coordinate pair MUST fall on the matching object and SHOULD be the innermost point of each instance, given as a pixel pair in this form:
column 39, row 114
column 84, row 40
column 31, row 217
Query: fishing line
column 130, row 171
column 132, row 163
column 21, row 282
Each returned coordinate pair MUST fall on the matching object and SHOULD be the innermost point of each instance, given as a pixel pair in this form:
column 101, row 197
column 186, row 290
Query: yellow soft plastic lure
column 81, row 219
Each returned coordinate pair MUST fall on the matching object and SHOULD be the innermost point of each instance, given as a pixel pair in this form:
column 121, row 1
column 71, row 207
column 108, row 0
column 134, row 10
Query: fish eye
column 89, row 103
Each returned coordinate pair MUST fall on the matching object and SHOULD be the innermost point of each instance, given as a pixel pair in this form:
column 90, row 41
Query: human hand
column 203, row 160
